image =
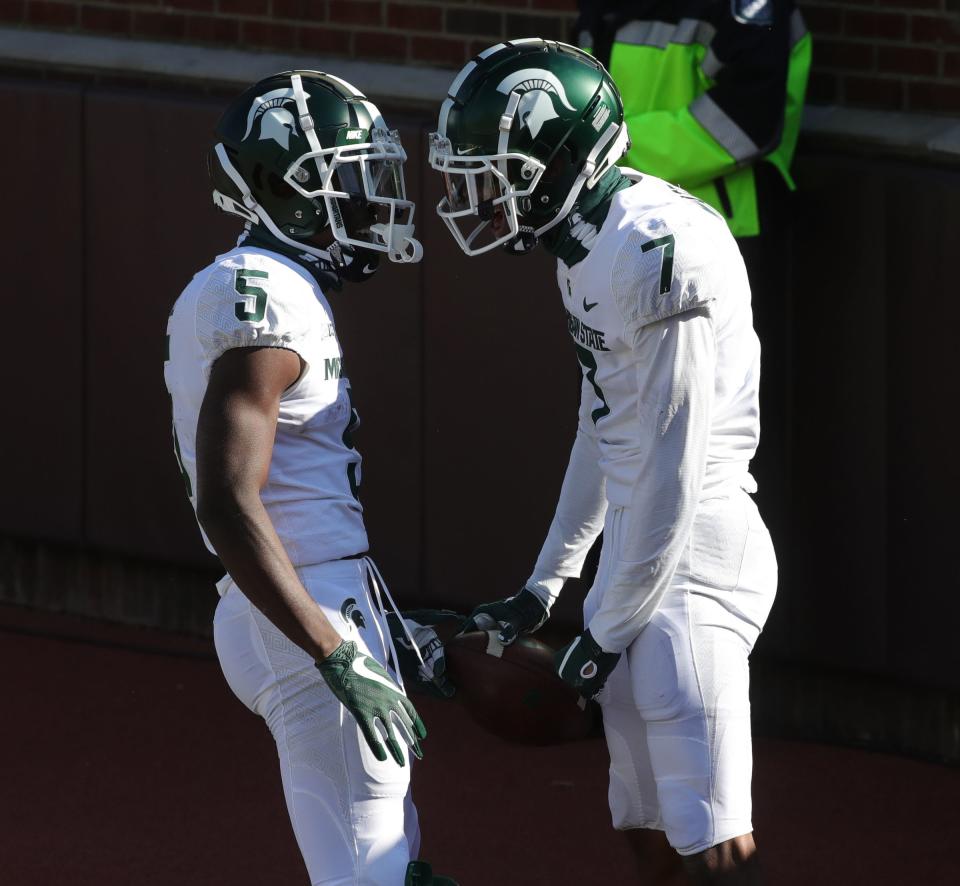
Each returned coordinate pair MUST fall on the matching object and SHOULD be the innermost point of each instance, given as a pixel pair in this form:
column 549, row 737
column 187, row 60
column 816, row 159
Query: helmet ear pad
column 298, row 216
column 562, row 169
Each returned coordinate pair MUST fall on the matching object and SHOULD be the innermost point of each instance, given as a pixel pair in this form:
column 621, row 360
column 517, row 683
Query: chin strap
column 353, row 264
column 526, row 241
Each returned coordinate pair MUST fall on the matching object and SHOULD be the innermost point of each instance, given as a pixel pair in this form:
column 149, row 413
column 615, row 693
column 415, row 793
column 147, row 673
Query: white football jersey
column 253, row 297
column 659, row 312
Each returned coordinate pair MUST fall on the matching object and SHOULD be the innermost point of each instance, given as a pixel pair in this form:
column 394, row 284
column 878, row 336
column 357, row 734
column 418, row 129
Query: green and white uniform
column 658, row 307
column 352, row 814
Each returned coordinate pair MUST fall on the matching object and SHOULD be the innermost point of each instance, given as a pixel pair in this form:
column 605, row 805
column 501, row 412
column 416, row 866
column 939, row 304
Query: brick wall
column 893, row 54
column 436, row 33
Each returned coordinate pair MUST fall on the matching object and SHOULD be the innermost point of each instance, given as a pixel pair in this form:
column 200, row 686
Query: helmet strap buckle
column 524, row 242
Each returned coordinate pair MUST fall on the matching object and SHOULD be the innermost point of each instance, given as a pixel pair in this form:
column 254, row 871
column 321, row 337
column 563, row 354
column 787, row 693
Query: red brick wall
column 894, row 54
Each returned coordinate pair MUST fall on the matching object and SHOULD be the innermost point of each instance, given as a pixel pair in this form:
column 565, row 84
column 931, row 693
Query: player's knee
column 686, row 816
column 627, row 807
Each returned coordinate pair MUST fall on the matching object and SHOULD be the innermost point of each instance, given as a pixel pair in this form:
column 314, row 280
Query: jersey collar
column 572, row 240
column 326, row 277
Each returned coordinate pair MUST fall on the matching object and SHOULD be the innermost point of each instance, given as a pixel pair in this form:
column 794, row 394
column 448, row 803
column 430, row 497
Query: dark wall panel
column 379, row 323
column 922, row 248
column 501, row 386
column 467, row 383
column 150, row 225
column 830, row 607
column 41, row 445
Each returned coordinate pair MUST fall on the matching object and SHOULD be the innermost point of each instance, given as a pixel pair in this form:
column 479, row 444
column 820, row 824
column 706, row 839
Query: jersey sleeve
column 659, row 273
column 578, row 519
column 654, row 527
column 251, row 301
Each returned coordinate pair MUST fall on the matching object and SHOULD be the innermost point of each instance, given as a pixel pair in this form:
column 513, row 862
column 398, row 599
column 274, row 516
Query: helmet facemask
column 363, row 189
column 482, row 206
column 477, row 187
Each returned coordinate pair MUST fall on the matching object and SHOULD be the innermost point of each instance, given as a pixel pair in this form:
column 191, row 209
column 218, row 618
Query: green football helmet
column 302, row 151
column 526, row 126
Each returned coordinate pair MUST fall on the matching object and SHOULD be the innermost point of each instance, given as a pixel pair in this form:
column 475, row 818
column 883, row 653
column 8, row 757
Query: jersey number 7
column 666, row 259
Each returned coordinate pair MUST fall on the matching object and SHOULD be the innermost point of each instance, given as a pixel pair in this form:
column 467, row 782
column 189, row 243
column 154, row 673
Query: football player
column 262, row 430
column 657, row 303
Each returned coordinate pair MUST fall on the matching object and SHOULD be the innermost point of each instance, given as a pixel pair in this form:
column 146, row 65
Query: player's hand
column 584, row 665
column 431, row 676
column 376, row 702
column 520, row 614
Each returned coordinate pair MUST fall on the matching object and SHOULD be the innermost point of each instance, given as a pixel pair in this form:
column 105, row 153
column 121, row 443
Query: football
column 514, row 692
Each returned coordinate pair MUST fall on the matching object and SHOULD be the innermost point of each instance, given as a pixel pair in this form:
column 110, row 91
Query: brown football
column 514, row 692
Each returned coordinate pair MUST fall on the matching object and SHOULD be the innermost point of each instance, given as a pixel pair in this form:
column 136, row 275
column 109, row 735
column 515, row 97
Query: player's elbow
column 218, row 508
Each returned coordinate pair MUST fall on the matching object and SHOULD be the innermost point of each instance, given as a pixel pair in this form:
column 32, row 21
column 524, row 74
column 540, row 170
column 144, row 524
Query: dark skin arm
column 235, row 434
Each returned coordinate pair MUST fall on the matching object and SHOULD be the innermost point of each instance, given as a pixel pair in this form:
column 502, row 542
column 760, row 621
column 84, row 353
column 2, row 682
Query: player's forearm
column 241, row 532
column 576, row 524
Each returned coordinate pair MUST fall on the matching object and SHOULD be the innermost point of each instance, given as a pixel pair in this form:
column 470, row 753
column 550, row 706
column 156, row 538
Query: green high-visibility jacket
column 710, row 88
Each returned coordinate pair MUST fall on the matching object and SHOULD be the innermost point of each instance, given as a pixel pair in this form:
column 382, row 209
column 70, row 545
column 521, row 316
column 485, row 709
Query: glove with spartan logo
column 375, row 701
column 584, row 665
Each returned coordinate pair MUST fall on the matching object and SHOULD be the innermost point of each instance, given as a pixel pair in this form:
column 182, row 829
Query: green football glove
column 431, row 677
column 376, row 702
column 520, row 614
column 584, row 665
column 419, row 873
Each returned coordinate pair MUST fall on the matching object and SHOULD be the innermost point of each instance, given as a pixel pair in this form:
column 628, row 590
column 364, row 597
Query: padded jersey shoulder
column 660, row 262
column 254, row 298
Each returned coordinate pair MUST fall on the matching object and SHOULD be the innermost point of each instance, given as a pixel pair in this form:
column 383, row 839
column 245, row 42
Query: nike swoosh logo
column 589, row 307
column 359, row 666
column 465, row 151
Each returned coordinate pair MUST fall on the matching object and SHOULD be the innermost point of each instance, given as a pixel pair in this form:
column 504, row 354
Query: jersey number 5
column 254, row 304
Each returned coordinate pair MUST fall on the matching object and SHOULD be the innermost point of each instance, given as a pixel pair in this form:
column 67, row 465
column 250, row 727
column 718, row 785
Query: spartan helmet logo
column 538, row 88
column 351, row 614
column 276, row 122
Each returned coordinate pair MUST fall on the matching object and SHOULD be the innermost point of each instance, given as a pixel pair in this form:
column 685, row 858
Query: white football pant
column 676, row 710
column 353, row 817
